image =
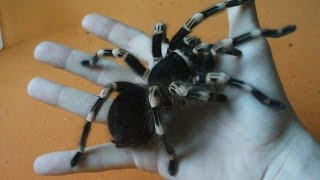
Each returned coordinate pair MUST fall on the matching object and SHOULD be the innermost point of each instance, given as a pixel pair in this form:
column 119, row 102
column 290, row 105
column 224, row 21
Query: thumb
column 242, row 19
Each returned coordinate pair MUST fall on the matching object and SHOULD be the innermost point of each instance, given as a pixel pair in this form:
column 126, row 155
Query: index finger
column 132, row 40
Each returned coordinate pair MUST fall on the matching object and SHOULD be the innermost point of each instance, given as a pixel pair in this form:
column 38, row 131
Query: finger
column 68, row 59
column 134, row 41
column 242, row 19
column 98, row 158
column 70, row 99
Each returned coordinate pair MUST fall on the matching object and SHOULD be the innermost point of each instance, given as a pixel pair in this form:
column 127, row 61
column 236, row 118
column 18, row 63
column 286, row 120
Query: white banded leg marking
column 195, row 19
column 119, row 53
column 203, row 47
column 94, row 60
column 101, row 53
column 223, row 46
column 188, row 39
column 179, row 89
column 191, row 40
column 256, row 33
column 159, row 28
column 217, row 78
column 146, row 74
column 90, row 117
column 154, row 100
column 221, row 5
column 184, row 57
column 187, row 91
column 204, row 95
column 159, row 129
column 105, row 92
column 201, row 95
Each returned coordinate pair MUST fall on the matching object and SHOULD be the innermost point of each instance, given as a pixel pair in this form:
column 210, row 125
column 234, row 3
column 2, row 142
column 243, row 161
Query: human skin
column 240, row 139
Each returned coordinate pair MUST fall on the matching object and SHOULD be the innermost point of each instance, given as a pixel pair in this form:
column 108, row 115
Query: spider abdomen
column 128, row 121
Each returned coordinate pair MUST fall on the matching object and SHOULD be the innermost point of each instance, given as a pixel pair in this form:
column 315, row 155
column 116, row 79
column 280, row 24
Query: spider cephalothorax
column 185, row 75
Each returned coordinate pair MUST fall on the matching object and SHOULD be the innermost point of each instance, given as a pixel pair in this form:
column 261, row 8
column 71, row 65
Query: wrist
column 298, row 157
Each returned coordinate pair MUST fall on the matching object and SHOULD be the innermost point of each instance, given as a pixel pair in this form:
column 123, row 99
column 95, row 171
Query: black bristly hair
column 186, row 74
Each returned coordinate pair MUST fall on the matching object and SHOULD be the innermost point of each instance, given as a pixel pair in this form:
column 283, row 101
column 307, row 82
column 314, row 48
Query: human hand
column 236, row 140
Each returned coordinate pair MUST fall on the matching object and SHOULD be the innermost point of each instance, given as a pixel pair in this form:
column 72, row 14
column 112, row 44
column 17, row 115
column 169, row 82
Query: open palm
column 234, row 140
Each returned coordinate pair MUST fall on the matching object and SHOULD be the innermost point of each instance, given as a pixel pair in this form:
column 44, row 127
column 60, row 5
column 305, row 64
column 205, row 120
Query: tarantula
column 186, row 74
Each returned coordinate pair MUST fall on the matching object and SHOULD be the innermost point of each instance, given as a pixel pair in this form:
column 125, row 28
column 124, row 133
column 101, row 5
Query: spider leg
column 221, row 79
column 205, row 48
column 155, row 104
column 132, row 61
column 227, row 45
column 173, row 164
column 195, row 92
column 189, row 42
column 234, row 52
column 157, row 39
column 120, row 87
column 159, row 36
column 104, row 94
column 199, row 17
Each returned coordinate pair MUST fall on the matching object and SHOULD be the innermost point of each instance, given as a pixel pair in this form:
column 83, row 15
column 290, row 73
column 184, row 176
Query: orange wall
column 29, row 128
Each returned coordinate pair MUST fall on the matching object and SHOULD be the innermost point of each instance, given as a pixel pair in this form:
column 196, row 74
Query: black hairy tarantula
column 186, row 74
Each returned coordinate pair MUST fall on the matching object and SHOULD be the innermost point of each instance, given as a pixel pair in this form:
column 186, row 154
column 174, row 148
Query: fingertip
column 89, row 19
column 52, row 164
column 44, row 90
column 52, row 53
column 40, row 49
column 242, row 19
column 98, row 24
column 32, row 86
column 40, row 166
